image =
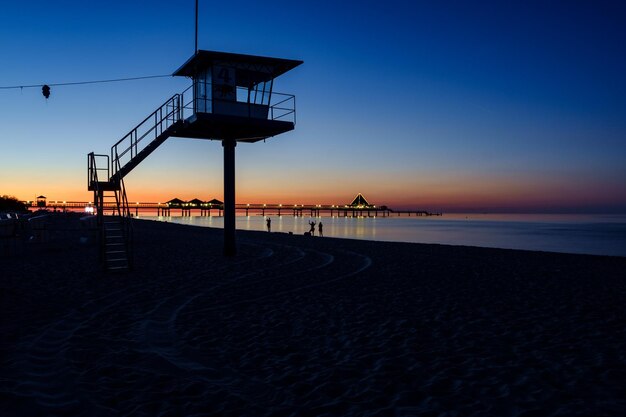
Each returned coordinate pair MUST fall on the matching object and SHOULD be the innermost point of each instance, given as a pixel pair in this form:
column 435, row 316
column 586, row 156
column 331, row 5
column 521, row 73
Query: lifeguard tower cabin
column 231, row 99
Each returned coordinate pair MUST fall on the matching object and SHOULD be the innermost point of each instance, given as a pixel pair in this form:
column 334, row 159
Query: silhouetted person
column 269, row 224
column 312, row 230
column 320, row 229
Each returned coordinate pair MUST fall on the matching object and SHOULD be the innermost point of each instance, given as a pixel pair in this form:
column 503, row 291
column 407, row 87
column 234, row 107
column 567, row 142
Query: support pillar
column 99, row 199
column 230, row 246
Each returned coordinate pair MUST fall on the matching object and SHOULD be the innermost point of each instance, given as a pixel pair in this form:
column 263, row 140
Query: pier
column 211, row 209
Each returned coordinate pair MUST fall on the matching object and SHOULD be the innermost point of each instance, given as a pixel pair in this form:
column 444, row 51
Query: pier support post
column 230, row 248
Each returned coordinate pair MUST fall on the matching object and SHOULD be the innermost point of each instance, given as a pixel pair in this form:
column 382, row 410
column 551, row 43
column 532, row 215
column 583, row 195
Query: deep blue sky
column 436, row 105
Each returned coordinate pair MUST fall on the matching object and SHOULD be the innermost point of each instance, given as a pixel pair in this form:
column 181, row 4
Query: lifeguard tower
column 231, row 99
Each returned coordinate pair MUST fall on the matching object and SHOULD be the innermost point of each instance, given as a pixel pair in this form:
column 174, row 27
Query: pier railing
column 244, row 208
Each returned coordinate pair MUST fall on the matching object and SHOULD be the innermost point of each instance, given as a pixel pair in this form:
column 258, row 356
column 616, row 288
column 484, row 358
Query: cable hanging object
column 84, row 82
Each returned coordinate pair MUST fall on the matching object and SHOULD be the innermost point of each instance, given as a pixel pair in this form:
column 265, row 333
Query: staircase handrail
column 93, row 182
column 164, row 116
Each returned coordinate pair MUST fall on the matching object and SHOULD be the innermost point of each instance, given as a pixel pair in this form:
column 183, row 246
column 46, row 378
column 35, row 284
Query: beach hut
column 196, row 202
column 215, row 203
column 175, row 203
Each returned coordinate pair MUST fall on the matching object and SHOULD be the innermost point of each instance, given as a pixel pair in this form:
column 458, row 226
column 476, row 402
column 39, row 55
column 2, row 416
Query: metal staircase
column 106, row 180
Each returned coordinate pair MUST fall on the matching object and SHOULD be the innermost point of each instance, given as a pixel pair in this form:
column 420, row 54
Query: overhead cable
column 84, row 82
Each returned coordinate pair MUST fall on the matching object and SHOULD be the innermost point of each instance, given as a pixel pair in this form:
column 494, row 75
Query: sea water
column 583, row 234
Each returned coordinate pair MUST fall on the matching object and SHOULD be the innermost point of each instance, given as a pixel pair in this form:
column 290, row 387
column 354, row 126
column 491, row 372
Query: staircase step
column 117, row 268
column 117, row 260
column 118, row 263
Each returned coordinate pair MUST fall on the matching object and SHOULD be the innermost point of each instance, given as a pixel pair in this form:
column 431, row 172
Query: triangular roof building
column 359, row 201
column 175, row 202
column 196, row 202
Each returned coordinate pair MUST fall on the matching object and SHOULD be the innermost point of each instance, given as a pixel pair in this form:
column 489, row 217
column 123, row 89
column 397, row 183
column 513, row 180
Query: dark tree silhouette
column 10, row 203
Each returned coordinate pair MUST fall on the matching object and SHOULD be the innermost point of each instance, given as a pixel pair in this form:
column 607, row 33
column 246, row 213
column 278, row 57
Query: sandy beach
column 308, row 326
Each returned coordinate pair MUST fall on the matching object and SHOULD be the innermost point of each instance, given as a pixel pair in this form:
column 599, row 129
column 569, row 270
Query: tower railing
column 272, row 106
column 124, row 150
column 93, row 168
column 243, row 102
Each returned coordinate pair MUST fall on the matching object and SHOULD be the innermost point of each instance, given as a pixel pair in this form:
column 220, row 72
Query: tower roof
column 252, row 68
column 359, row 200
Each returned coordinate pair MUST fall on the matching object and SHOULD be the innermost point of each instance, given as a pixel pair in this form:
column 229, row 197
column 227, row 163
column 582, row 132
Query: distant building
column 360, row 202
column 216, row 202
column 196, row 202
column 175, row 203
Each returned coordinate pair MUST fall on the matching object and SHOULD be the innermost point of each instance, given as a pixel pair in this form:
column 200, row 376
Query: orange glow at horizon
column 444, row 193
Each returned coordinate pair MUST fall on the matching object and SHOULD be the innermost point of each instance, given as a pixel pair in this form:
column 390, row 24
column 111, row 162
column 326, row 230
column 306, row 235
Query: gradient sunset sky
column 446, row 105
